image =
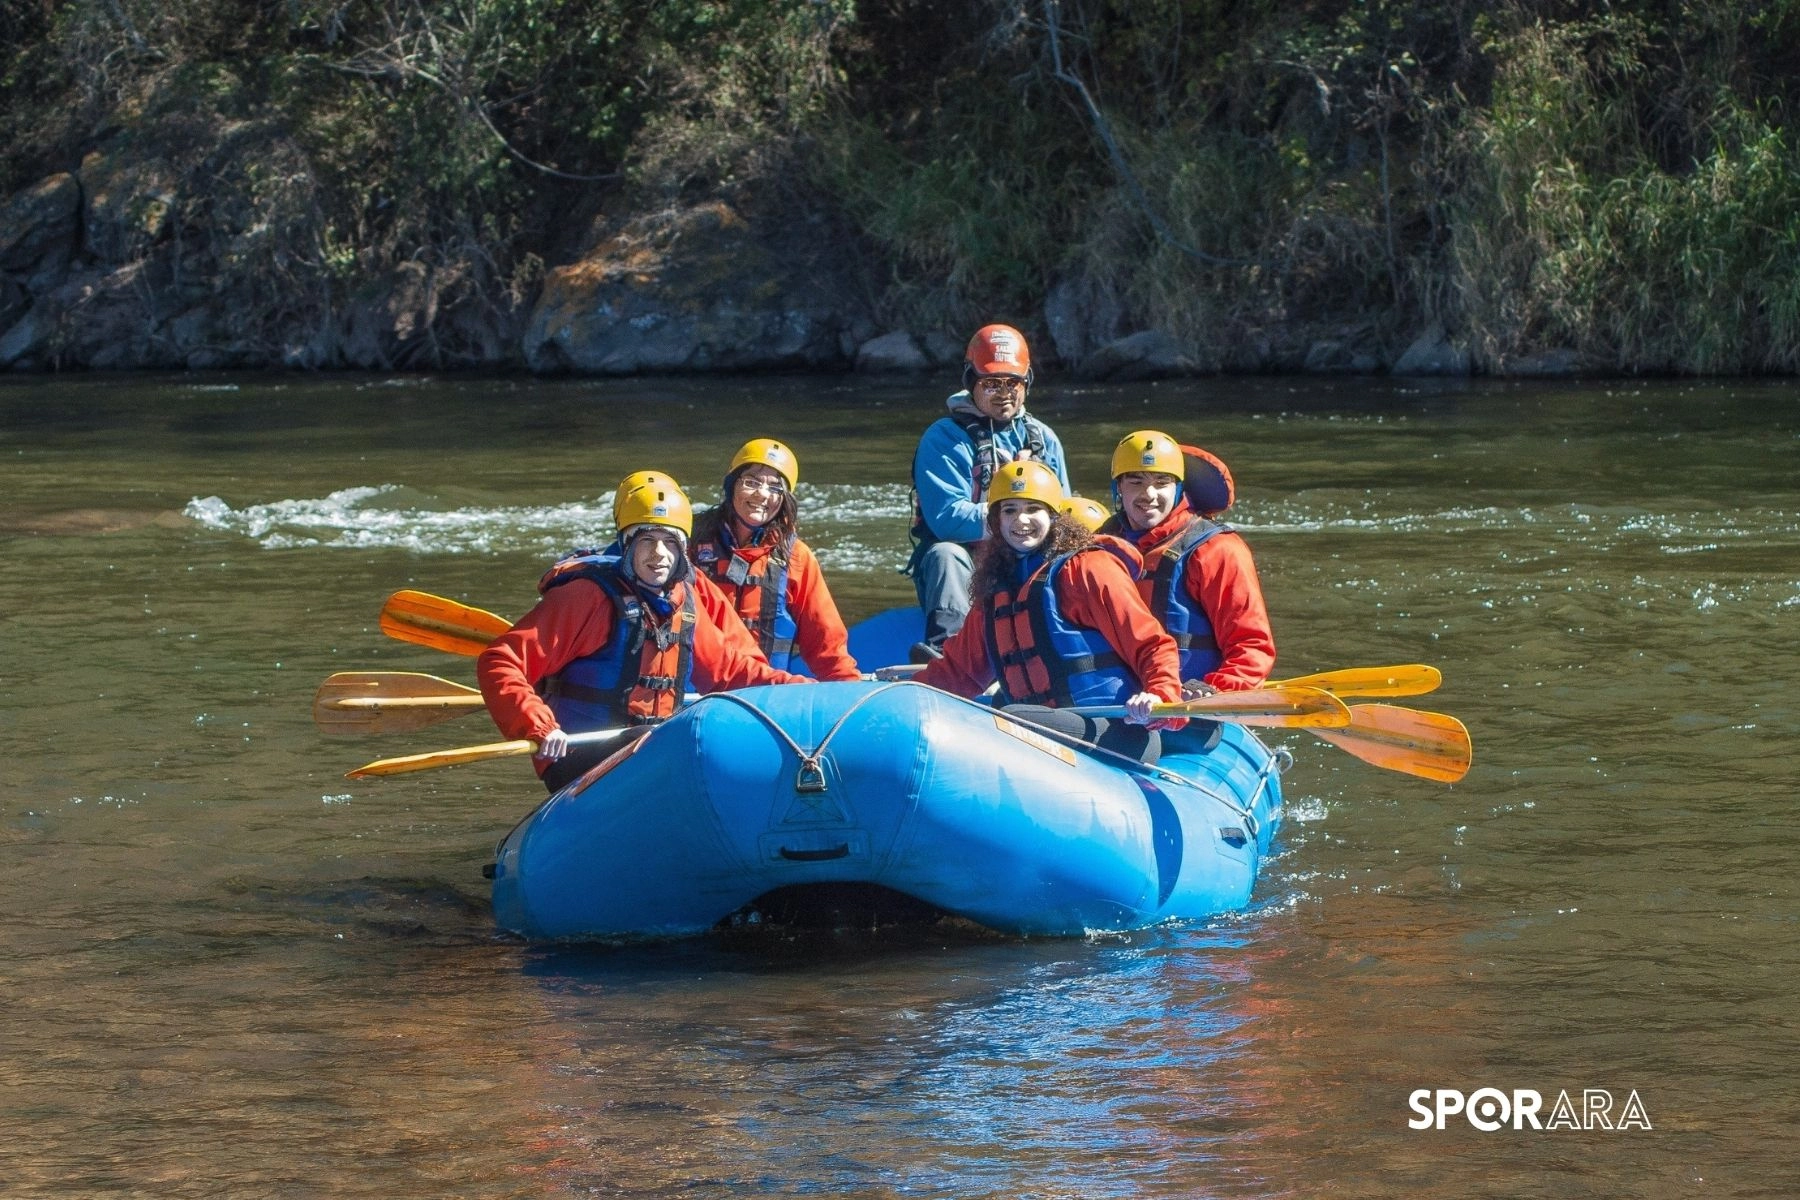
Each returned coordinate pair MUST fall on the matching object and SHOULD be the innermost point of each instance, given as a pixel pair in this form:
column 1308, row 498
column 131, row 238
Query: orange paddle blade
column 442, row 624
column 1427, row 744
column 361, row 702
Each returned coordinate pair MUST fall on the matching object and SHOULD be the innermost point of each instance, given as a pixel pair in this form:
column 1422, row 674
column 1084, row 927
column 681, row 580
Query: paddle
column 468, row 754
column 442, row 624
column 1413, row 679
column 1427, row 744
column 1268, row 707
column 357, row 702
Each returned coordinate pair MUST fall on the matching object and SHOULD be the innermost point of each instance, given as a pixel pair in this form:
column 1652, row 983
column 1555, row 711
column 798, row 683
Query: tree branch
column 1104, row 132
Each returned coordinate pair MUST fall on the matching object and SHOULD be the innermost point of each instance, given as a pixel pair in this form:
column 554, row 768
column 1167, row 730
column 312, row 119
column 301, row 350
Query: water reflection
column 945, row 1068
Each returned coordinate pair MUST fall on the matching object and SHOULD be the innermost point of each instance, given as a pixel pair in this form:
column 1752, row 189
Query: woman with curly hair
column 1057, row 621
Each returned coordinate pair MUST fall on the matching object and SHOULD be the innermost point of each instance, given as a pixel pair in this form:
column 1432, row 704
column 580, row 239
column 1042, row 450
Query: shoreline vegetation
column 1153, row 188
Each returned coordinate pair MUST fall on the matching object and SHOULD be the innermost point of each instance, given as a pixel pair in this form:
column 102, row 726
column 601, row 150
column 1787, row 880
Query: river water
column 229, row 971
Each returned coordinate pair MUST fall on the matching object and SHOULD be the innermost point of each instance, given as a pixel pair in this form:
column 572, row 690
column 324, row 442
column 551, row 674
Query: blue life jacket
column 644, row 671
column 1186, row 621
column 980, row 432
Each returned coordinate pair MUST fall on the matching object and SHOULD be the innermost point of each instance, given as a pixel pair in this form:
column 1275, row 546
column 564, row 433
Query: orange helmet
column 997, row 350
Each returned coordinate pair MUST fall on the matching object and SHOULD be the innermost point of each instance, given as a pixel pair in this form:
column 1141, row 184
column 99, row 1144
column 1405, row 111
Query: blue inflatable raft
column 899, row 786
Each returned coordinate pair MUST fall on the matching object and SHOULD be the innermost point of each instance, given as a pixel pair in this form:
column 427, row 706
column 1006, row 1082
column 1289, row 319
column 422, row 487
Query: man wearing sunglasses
column 986, row 428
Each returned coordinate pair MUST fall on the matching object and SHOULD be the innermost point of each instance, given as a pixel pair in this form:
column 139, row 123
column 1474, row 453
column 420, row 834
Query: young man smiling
column 619, row 637
column 1199, row 578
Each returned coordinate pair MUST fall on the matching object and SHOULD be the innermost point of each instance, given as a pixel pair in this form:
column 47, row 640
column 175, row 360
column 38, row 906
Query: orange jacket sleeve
column 1221, row 579
column 821, row 638
column 965, row 670
column 1096, row 591
column 570, row 622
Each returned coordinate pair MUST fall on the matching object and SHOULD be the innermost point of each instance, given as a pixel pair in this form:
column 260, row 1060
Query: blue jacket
column 950, row 498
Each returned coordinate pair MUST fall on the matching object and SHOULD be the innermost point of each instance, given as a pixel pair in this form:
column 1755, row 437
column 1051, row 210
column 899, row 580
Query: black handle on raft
column 838, row 851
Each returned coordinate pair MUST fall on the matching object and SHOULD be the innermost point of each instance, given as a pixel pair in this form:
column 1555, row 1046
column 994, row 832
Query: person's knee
column 942, row 561
column 1058, row 720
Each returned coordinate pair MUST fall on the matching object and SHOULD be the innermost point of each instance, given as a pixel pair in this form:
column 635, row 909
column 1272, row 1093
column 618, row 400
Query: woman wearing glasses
column 749, row 545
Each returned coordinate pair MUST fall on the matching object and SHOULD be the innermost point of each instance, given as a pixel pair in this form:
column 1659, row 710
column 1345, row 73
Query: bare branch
column 1104, row 130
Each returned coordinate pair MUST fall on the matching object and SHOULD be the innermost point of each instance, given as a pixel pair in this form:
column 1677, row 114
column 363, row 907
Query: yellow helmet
column 1027, row 479
column 767, row 452
column 1148, row 450
column 652, row 499
column 633, row 482
column 1090, row 513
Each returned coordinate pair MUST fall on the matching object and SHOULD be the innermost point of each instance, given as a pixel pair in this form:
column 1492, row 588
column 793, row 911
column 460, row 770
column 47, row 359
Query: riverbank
column 817, row 185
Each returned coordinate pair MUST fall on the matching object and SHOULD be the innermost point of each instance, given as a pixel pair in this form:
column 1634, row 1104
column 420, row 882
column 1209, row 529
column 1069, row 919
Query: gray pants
column 940, row 575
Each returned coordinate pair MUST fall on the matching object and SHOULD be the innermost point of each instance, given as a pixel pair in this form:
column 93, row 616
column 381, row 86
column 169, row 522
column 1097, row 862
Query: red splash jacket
column 1219, row 580
column 819, row 634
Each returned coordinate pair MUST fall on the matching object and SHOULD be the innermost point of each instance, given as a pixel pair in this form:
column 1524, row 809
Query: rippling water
column 230, row 971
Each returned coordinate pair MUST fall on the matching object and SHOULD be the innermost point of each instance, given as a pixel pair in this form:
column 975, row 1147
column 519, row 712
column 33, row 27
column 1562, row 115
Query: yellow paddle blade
column 1427, row 744
column 468, row 754
column 442, row 758
column 442, row 624
column 363, row 702
column 1413, row 679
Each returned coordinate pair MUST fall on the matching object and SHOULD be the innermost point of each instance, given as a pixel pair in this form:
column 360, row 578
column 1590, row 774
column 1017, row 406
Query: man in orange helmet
column 986, row 428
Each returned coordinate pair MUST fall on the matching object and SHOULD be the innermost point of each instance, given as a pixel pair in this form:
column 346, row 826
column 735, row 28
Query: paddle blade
column 1412, row 679
column 468, row 754
column 440, row 623
column 1427, row 744
column 365, row 702
column 442, row 758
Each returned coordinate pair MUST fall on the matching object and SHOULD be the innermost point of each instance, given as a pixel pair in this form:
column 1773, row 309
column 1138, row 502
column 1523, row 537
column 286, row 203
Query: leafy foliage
column 1612, row 180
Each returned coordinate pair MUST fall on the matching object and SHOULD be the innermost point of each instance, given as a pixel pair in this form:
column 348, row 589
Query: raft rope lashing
column 811, row 775
column 1280, row 759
